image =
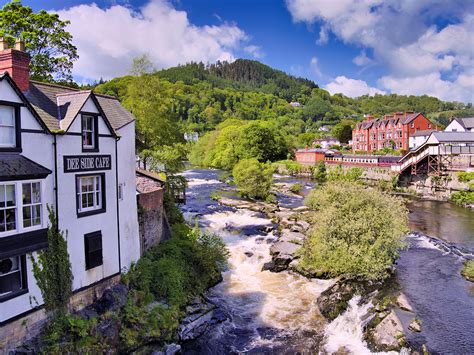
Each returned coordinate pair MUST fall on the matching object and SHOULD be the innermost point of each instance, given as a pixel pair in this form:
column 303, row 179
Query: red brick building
column 391, row 131
column 311, row 156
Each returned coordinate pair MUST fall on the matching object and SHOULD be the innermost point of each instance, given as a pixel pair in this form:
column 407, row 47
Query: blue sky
column 354, row 47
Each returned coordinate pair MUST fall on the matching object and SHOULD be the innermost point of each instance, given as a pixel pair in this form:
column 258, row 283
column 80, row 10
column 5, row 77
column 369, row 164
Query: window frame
column 95, row 133
column 31, row 204
column 87, row 253
column 16, row 107
column 23, row 279
column 90, row 211
column 15, row 207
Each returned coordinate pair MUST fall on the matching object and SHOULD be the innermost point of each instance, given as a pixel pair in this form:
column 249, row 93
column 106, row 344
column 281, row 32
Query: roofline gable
column 25, row 101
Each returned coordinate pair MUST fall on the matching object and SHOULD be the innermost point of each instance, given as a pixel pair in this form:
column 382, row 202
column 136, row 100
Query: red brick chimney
column 16, row 62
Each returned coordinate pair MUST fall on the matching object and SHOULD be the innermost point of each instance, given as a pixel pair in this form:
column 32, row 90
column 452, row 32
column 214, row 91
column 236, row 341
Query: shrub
column 289, row 167
column 296, row 188
column 339, row 174
column 462, row 198
column 319, row 172
column 357, row 233
column 253, row 179
column 468, row 270
column 465, row 176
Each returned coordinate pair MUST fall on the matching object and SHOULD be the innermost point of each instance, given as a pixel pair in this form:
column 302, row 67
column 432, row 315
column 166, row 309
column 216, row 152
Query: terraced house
column 392, row 131
column 73, row 150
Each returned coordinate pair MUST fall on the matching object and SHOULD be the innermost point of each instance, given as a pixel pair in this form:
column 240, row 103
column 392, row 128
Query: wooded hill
column 198, row 97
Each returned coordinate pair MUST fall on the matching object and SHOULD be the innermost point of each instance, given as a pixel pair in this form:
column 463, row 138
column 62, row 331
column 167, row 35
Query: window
column 90, row 194
column 7, row 127
column 12, row 277
column 89, row 133
column 412, row 125
column 93, row 249
column 7, row 208
column 31, row 204
column 429, row 125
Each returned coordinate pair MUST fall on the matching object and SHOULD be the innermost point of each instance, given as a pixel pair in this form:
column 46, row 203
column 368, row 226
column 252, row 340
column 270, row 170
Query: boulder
column 415, row 325
column 301, row 209
column 268, row 266
column 403, row 303
column 172, row 349
column 388, row 334
column 201, row 317
column 292, row 237
column 112, row 300
column 283, row 248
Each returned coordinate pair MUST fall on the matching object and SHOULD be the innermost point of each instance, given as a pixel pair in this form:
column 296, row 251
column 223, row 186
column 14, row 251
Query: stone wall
column 17, row 332
column 153, row 224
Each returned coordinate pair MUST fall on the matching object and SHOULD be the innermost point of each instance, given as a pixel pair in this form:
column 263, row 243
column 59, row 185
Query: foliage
column 172, row 184
column 343, row 130
column 296, row 188
column 181, row 268
column 52, row 269
column 468, row 270
column 253, row 179
column 464, row 176
column 234, row 140
column 46, row 39
column 142, row 65
column 463, row 198
column 319, row 173
column 339, row 174
column 290, row 167
column 72, row 334
column 357, row 231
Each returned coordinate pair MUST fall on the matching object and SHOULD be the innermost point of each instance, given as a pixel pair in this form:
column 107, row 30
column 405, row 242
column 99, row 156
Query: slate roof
column 423, row 133
column 14, row 166
column 454, row 136
column 57, row 106
column 468, row 122
column 147, row 181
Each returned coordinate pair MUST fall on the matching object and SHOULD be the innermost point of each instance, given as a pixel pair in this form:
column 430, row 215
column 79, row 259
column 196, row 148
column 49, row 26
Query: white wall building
column 418, row 138
column 460, row 125
column 73, row 150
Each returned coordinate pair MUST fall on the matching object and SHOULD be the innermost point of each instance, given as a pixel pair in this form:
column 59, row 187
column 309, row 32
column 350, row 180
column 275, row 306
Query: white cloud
column 399, row 34
column 323, row 35
column 362, row 59
column 108, row 39
column 255, row 51
column 314, row 65
column 351, row 87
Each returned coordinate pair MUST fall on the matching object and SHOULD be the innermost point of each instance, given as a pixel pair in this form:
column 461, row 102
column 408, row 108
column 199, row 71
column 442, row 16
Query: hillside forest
column 242, row 110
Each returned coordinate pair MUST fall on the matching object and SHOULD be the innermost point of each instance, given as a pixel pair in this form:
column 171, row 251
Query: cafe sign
column 79, row 163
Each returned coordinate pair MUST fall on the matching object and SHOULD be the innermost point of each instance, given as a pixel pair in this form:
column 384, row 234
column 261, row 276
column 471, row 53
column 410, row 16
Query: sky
column 354, row 47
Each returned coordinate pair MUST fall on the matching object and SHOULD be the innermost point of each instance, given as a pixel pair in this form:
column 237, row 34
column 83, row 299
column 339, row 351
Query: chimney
column 16, row 62
column 369, row 117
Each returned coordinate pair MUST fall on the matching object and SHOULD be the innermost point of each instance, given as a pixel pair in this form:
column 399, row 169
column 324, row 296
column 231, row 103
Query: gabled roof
column 423, row 133
column 57, row 106
column 453, row 137
column 468, row 122
column 409, row 117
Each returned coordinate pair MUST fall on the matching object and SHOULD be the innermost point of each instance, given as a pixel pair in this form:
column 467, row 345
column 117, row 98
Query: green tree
column 319, row 173
column 343, row 131
column 52, row 269
column 142, row 65
column 46, row 39
column 253, row 179
column 358, row 233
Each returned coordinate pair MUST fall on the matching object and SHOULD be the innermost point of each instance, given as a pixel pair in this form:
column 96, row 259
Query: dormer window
column 9, row 128
column 90, row 141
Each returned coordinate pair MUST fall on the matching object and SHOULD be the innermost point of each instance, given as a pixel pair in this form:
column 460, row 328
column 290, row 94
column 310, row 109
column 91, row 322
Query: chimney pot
column 20, row 45
column 3, row 44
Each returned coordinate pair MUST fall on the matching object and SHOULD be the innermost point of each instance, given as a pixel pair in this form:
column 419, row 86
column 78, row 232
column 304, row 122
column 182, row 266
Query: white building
column 460, row 125
column 73, row 150
column 418, row 138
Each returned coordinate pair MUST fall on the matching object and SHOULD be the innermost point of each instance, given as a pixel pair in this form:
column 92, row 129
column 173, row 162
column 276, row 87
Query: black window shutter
column 93, row 249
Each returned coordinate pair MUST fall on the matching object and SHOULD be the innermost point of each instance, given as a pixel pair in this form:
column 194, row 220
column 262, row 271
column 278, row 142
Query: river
column 277, row 313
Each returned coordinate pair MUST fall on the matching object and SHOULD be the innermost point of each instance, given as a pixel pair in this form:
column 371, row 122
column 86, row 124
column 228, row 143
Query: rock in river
column 282, row 254
column 388, row 334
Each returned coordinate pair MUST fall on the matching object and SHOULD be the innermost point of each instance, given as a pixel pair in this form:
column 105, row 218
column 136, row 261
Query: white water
column 282, row 301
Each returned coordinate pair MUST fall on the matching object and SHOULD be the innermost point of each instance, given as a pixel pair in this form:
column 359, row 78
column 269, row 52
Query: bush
column 253, row 179
column 289, row 167
column 462, row 198
column 339, row 174
column 468, row 270
column 319, row 172
column 357, row 233
column 296, row 188
column 465, row 176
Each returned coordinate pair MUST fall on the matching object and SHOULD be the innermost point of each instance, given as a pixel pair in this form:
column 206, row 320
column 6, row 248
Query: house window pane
column 7, row 127
column 88, row 132
column 32, row 207
column 7, row 208
column 89, row 193
column 11, row 279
